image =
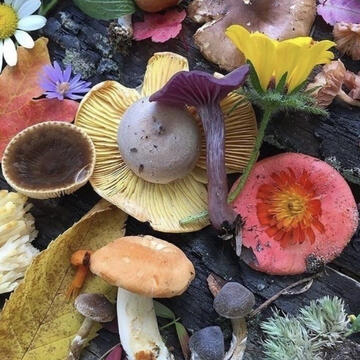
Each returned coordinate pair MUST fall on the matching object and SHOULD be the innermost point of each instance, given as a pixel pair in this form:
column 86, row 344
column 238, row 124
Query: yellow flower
column 164, row 203
column 272, row 59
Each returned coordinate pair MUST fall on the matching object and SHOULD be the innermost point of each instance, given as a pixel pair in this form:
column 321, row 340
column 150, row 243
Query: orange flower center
column 289, row 208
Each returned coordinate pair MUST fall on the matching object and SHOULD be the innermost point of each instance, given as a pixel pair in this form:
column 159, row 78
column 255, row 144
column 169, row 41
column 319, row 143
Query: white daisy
column 15, row 20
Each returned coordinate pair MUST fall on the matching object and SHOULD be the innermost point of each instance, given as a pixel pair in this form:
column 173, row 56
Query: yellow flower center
column 8, row 21
column 288, row 204
column 289, row 208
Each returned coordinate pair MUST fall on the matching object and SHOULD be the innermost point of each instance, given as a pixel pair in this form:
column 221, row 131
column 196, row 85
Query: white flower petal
column 28, row 8
column 24, row 39
column 8, row 2
column 1, row 54
column 10, row 54
column 16, row 4
column 32, row 22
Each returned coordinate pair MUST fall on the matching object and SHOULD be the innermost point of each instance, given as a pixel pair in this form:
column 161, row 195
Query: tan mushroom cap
column 144, row 265
column 279, row 19
column 49, row 160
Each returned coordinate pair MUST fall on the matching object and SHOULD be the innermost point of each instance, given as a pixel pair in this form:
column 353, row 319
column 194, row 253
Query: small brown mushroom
column 160, row 143
column 95, row 308
column 48, row 160
column 334, row 81
column 347, row 37
column 280, row 19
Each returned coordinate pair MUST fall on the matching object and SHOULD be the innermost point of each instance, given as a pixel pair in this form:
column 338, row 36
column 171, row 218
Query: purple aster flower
column 58, row 84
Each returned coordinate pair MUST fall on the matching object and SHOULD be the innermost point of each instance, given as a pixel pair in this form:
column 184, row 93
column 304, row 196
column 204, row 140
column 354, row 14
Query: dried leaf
column 115, row 353
column 183, row 339
column 334, row 11
column 163, row 311
column 19, row 86
column 37, row 323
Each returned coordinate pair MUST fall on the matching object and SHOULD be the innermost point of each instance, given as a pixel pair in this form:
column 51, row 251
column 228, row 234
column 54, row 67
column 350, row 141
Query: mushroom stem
column 138, row 328
column 125, row 22
column 213, row 121
column 259, row 140
column 238, row 342
column 80, row 339
column 347, row 99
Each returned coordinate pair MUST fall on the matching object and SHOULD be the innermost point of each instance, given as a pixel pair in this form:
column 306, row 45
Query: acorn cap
column 234, row 301
column 144, row 265
column 49, row 160
column 95, row 307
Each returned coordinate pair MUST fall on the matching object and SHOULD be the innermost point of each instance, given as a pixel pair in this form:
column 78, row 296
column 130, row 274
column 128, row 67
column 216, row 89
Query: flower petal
column 16, row 4
column 1, row 54
column 10, row 54
column 161, row 67
column 24, row 39
column 28, row 8
column 32, row 22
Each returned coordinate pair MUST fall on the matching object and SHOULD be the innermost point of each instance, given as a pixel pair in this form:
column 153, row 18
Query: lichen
column 79, row 63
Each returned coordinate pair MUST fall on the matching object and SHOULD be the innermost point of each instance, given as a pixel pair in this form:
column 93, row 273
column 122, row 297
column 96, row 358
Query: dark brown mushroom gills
column 49, row 158
column 160, row 143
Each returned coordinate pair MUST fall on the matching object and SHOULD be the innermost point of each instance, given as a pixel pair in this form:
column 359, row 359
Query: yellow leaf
column 37, row 323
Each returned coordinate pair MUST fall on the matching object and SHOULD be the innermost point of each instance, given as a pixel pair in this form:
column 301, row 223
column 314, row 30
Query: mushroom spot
column 171, row 130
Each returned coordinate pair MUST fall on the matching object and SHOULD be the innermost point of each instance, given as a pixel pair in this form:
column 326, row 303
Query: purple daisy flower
column 58, row 84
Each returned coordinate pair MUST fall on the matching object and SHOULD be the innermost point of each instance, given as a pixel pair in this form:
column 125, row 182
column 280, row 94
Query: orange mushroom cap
column 297, row 209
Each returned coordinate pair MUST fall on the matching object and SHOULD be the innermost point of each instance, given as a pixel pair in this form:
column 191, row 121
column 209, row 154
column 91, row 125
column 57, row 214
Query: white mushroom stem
column 138, row 328
column 125, row 23
column 80, row 339
column 238, row 342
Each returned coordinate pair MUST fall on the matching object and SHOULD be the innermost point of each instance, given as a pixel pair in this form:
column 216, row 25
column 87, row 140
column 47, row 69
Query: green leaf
column 183, row 339
column 106, row 9
column 281, row 85
column 163, row 311
column 254, row 79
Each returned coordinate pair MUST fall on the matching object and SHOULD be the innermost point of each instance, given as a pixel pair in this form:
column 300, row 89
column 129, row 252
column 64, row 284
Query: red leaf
column 115, row 353
column 19, row 85
column 160, row 27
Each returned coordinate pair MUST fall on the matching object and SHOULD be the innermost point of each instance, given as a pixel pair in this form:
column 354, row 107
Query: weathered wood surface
column 82, row 41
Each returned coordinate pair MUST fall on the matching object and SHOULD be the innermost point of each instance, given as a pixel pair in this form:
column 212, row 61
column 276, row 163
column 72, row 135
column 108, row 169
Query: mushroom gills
column 138, row 328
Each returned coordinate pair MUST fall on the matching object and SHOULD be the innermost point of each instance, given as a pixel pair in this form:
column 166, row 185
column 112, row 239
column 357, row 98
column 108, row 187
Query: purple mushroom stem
column 219, row 209
column 204, row 91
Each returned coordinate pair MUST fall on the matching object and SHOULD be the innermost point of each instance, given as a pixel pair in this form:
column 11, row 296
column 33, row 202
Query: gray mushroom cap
column 234, row 301
column 160, row 143
column 207, row 344
column 95, row 307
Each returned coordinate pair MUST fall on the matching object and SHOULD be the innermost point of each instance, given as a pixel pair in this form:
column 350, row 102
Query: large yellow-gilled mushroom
column 143, row 189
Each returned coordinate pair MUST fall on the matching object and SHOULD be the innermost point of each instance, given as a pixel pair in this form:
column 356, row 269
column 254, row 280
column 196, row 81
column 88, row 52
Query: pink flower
column 160, row 27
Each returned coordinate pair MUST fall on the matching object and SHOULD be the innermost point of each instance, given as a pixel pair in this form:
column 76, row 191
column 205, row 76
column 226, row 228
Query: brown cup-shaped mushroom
column 49, row 160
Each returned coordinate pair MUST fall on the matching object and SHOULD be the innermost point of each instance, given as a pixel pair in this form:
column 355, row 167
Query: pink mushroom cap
column 297, row 210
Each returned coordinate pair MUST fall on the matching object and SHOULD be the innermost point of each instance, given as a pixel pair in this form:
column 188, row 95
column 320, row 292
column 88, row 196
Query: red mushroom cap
column 297, row 209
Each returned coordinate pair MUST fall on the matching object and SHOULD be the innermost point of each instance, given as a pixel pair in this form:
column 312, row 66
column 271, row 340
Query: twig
column 282, row 292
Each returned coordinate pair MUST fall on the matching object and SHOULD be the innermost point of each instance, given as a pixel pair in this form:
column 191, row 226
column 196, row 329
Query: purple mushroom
column 204, row 91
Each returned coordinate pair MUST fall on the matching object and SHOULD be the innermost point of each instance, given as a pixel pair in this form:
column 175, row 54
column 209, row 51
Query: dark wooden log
column 83, row 42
